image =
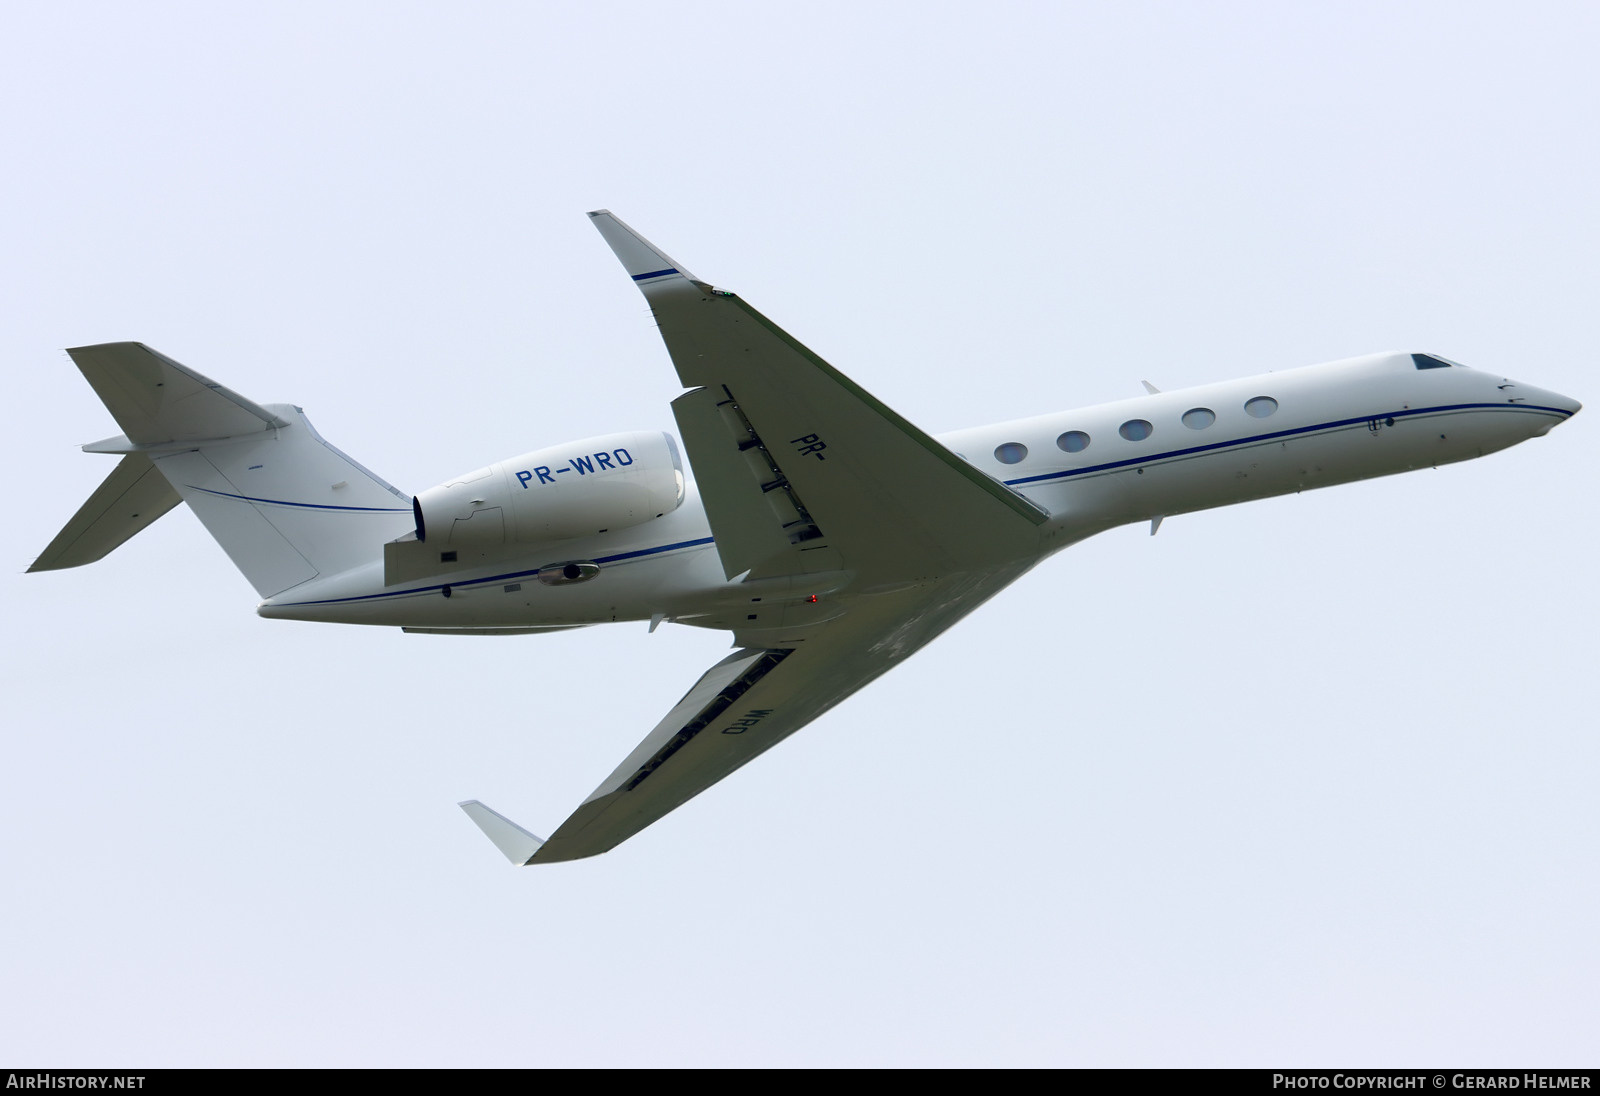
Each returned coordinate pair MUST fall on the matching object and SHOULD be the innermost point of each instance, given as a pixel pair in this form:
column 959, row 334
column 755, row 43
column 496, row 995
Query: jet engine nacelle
column 566, row 491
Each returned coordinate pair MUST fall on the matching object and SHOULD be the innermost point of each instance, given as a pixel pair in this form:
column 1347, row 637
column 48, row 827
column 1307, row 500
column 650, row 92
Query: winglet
column 517, row 843
column 645, row 263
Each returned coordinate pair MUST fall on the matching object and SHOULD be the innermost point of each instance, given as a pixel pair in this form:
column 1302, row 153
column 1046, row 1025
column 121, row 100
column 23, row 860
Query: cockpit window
column 1428, row 361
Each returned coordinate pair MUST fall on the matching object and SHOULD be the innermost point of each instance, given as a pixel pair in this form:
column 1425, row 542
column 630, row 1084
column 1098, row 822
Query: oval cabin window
column 1011, row 452
column 1198, row 418
column 1073, row 441
column 1261, row 407
column 1136, row 429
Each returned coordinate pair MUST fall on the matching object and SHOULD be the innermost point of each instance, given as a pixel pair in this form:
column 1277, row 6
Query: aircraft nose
column 1554, row 401
column 1561, row 403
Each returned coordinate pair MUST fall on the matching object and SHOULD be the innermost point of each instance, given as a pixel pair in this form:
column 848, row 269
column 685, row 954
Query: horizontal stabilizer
column 156, row 400
column 517, row 843
column 132, row 497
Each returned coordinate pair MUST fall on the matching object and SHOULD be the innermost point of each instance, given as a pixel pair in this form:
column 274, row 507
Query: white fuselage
column 1092, row 469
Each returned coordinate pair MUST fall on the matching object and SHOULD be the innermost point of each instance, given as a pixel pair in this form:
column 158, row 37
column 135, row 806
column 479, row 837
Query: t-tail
column 284, row 504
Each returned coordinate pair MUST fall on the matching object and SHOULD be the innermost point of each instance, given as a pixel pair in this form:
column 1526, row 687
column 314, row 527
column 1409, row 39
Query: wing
column 862, row 537
column 793, row 458
column 742, row 707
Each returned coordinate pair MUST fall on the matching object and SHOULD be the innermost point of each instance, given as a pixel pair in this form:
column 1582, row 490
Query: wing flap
column 748, row 529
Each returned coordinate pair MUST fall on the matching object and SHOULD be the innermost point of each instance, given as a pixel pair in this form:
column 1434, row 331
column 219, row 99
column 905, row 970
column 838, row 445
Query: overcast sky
column 1308, row 781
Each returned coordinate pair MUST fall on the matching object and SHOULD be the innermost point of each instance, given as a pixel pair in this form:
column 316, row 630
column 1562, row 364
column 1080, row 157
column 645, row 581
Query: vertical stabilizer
column 284, row 504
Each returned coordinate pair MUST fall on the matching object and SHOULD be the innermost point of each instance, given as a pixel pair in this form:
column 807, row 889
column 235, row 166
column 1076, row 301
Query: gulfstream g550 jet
column 832, row 537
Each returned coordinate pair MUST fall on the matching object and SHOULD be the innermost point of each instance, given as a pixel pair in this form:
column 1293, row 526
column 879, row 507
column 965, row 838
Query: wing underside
column 752, row 700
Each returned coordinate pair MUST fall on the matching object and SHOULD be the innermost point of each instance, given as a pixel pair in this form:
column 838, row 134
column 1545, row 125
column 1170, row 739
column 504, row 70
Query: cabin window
column 1136, row 429
column 1198, row 418
column 1073, row 441
column 1011, row 452
column 1261, row 407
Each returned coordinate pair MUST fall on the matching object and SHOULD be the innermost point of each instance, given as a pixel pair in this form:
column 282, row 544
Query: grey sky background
column 1309, row 781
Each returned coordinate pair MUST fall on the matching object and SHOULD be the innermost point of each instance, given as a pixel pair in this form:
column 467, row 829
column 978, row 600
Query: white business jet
column 832, row 537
